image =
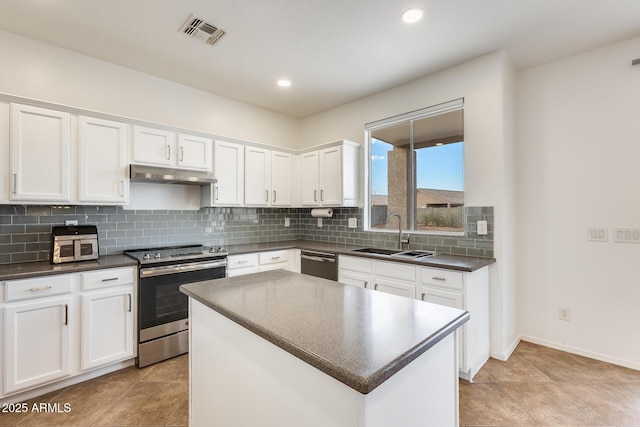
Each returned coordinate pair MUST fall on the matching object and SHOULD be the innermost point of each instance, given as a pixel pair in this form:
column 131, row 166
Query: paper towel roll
column 322, row 213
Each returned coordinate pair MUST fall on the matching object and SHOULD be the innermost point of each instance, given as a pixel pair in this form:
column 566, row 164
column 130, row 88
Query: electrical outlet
column 597, row 234
column 287, row 222
column 564, row 313
column 319, row 222
column 353, row 223
column 71, row 222
column 482, row 228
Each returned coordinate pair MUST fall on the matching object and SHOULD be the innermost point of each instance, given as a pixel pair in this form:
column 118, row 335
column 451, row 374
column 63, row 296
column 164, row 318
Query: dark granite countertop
column 448, row 261
column 358, row 336
column 26, row 270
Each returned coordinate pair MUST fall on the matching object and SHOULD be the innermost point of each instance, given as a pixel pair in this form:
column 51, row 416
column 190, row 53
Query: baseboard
column 582, row 352
column 505, row 355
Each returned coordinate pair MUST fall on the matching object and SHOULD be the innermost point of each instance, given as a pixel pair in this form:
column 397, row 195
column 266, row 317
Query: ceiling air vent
column 196, row 27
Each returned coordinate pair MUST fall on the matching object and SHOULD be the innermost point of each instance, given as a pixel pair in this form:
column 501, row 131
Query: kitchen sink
column 395, row 253
column 376, row 251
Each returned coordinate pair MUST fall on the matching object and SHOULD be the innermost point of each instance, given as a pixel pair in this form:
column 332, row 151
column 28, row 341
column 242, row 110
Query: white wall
column 487, row 85
column 578, row 148
column 41, row 71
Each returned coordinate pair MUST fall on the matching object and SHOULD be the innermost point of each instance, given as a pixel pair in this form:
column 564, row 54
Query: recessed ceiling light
column 412, row 15
column 284, row 83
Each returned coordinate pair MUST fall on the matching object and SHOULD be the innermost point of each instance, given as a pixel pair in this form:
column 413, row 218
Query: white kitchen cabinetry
column 103, row 175
column 281, row 179
column 58, row 327
column 40, row 147
column 463, row 290
column 159, row 147
column 228, row 168
column 466, row 291
column 274, row 260
column 330, row 176
column 107, row 317
column 39, row 333
column 238, row 265
column 257, row 176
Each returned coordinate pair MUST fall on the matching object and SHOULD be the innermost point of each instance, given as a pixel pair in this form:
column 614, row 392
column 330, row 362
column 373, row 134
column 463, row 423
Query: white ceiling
column 334, row 51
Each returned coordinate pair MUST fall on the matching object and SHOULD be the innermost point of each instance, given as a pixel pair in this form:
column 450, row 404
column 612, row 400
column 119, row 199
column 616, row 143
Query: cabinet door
column 331, row 176
column 395, row 287
column 153, row 146
column 40, row 146
column 228, row 168
column 309, row 177
column 38, row 339
column 281, row 177
column 257, row 176
column 195, row 152
column 448, row 299
column 354, row 278
column 103, row 148
column 107, row 327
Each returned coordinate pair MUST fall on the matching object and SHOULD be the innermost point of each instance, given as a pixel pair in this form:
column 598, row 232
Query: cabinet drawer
column 107, row 278
column 242, row 261
column 274, row 257
column 396, row 270
column 362, row 265
column 37, row 288
column 442, row 278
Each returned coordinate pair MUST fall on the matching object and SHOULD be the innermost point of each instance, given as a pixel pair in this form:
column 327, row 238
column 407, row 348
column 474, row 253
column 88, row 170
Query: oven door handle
column 317, row 258
column 181, row 268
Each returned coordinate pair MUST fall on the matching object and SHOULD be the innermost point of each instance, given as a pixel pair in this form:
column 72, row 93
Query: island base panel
column 237, row 378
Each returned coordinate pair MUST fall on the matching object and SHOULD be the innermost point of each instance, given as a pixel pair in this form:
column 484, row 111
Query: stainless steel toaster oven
column 74, row 243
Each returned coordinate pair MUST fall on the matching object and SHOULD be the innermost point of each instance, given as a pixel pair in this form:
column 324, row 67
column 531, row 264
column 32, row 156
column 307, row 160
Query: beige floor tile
column 561, row 366
column 488, row 405
column 181, row 416
column 146, row 403
column 515, row 369
column 172, row 370
column 615, row 402
column 550, row 404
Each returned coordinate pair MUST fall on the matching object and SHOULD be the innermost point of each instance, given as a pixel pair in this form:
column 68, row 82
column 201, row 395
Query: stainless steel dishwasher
column 319, row 264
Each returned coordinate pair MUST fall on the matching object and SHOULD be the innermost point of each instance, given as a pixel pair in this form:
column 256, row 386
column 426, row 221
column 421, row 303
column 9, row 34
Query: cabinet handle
column 42, row 288
column 243, row 261
column 375, row 287
column 274, row 196
column 365, row 284
column 130, row 305
column 216, row 191
column 181, row 154
column 422, row 297
column 275, row 257
column 122, row 188
column 110, row 279
column 322, row 195
column 442, row 279
column 266, row 195
column 66, row 314
column 15, row 183
column 168, row 152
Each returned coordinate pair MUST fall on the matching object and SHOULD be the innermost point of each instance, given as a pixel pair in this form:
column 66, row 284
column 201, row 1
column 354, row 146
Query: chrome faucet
column 401, row 241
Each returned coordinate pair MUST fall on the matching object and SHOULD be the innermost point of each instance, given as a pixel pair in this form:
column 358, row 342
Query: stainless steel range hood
column 139, row 173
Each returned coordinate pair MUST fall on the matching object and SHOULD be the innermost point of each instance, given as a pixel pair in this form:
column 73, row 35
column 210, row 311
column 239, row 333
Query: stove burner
column 175, row 254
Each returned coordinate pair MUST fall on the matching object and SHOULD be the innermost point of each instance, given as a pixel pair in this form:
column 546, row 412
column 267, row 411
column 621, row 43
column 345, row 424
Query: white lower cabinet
column 238, row 265
column 60, row 326
column 39, row 342
column 463, row 290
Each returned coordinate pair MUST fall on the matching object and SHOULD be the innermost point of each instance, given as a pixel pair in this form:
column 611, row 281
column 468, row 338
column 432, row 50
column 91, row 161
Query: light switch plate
column 482, row 228
column 353, row 222
column 287, row 222
column 626, row 235
column 319, row 222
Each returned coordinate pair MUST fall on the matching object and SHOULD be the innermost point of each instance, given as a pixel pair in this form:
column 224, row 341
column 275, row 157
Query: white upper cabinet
column 228, row 168
column 309, row 171
column 158, row 147
column 40, row 149
column 195, row 152
column 257, row 176
column 103, row 176
column 330, row 177
column 281, row 179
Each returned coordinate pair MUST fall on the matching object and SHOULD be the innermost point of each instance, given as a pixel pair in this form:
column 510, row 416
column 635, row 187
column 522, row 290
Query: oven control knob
column 146, row 257
column 220, row 249
column 212, row 250
column 157, row 255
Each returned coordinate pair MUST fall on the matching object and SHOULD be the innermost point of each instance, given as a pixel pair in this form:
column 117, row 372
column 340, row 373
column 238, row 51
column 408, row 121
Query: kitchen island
column 281, row 348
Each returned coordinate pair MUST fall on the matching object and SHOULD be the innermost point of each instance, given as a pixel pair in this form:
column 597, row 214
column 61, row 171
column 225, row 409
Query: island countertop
column 360, row 337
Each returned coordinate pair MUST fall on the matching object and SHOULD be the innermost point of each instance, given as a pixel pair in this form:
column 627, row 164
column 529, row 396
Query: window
column 416, row 169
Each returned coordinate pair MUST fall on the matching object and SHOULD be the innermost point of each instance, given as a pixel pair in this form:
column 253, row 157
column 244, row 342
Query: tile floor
column 537, row 386
column 156, row 395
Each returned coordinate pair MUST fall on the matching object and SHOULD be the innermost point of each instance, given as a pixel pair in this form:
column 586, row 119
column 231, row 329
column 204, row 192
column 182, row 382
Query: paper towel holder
column 322, row 212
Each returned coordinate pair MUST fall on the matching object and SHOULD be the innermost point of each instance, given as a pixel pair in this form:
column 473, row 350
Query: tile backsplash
column 25, row 231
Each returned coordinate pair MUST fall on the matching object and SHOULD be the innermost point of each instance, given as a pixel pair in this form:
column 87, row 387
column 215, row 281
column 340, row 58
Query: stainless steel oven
column 163, row 311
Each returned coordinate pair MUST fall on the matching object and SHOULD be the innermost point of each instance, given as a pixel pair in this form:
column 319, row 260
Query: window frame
column 410, row 117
